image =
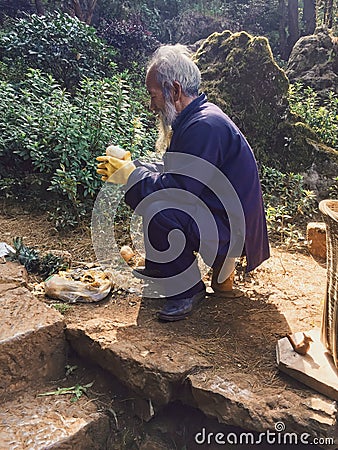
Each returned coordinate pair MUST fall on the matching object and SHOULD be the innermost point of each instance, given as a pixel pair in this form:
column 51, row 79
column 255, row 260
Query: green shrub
column 287, row 202
column 320, row 114
column 333, row 189
column 57, row 44
column 49, row 140
column 132, row 40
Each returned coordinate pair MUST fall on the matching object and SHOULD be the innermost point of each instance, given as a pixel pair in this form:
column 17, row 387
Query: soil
column 288, row 277
column 287, row 281
column 284, row 295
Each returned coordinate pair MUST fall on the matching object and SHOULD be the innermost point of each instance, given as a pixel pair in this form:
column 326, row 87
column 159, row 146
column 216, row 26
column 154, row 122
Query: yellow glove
column 115, row 170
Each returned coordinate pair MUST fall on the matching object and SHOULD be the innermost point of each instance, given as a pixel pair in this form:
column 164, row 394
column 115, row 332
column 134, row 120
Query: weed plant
column 320, row 114
column 288, row 205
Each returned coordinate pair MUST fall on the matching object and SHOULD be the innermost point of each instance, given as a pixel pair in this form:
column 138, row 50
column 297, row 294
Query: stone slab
column 221, row 360
column 198, row 362
column 233, row 401
column 12, row 272
column 32, row 341
column 316, row 369
column 155, row 371
column 53, row 422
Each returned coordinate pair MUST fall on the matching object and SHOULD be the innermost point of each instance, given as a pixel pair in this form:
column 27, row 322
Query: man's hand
column 115, row 170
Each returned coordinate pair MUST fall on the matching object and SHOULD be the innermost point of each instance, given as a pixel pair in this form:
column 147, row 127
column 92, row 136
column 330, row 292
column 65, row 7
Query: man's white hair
column 174, row 63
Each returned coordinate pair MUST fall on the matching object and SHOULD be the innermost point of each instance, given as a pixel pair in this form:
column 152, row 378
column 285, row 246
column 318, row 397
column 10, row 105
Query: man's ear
column 177, row 91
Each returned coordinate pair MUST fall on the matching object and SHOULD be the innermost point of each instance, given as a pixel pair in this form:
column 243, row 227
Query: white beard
column 165, row 121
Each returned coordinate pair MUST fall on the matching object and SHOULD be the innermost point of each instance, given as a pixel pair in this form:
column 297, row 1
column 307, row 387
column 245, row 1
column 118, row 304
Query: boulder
column 314, row 62
column 240, row 74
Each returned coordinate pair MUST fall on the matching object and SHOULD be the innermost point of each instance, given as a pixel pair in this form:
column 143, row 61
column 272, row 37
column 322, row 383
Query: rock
column 32, row 358
column 154, row 443
column 38, row 422
column 13, row 273
column 127, row 253
column 236, row 403
column 314, row 62
column 240, row 74
column 152, row 369
column 316, row 238
column 32, row 341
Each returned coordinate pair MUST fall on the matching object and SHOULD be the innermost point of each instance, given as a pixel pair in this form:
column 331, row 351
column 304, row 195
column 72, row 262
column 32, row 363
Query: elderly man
column 205, row 197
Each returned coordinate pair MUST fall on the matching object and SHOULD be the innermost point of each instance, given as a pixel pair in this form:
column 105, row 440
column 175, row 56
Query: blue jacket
column 209, row 158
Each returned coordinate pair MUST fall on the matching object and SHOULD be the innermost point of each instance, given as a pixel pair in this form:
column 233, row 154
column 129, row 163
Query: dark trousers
column 171, row 239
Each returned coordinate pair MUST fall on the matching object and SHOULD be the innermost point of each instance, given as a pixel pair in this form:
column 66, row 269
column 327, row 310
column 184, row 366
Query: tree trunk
column 309, row 16
column 78, row 9
column 328, row 13
column 282, row 13
column 84, row 10
column 40, row 9
column 90, row 12
column 293, row 25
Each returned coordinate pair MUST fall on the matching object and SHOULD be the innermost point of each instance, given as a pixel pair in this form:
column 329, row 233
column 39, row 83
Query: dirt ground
column 285, row 294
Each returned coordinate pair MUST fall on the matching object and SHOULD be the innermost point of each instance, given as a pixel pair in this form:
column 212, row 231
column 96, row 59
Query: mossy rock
column 314, row 62
column 302, row 151
column 240, row 75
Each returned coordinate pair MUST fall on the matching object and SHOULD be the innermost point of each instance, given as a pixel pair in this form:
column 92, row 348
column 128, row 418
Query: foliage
column 130, row 37
column 26, row 256
column 320, row 114
column 286, row 202
column 57, row 44
column 77, row 391
column 51, row 264
column 333, row 189
column 33, row 262
column 63, row 309
column 15, row 8
column 49, row 140
column 259, row 17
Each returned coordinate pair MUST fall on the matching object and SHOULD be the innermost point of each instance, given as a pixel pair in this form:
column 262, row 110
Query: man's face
column 165, row 108
column 157, row 100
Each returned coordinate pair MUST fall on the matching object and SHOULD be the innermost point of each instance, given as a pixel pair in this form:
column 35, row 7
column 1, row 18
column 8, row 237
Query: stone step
column 174, row 361
column 33, row 422
column 32, row 338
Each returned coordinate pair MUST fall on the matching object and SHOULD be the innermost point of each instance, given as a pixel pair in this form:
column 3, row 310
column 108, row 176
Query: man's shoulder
column 212, row 108
column 212, row 114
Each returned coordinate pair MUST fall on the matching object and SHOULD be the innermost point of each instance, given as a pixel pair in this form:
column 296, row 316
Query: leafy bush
column 58, row 44
column 49, row 140
column 320, row 114
column 286, row 202
column 132, row 40
column 34, row 263
column 333, row 189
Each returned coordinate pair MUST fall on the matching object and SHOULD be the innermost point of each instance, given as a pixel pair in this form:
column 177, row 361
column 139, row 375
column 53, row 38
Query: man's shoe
column 143, row 272
column 180, row 309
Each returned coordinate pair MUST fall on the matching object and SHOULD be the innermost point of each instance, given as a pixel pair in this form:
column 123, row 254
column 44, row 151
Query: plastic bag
column 85, row 286
column 5, row 249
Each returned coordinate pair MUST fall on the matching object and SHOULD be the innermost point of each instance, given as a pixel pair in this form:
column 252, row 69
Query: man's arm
column 152, row 167
column 198, row 141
